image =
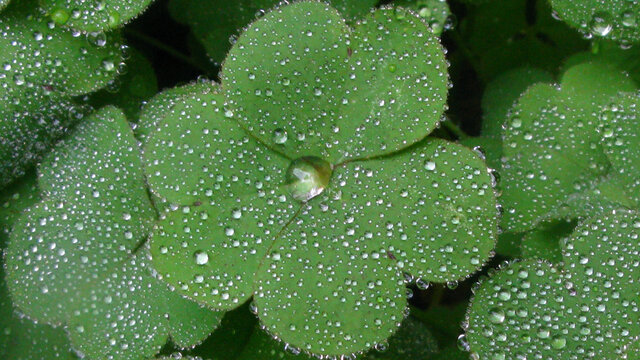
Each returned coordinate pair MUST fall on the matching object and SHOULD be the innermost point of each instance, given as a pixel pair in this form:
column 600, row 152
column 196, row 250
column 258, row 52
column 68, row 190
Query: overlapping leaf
column 622, row 143
column 613, row 19
column 371, row 90
column 39, row 72
column 22, row 339
column 498, row 98
column 552, row 148
column 436, row 13
column 217, row 23
column 327, row 274
column 93, row 15
column 232, row 201
column 71, row 257
column 589, row 311
column 13, row 201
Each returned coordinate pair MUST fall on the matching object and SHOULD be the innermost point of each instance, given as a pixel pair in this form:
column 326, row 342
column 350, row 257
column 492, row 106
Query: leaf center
column 307, row 177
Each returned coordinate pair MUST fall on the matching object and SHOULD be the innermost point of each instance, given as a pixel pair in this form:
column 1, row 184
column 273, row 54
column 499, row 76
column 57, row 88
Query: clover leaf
column 383, row 85
column 93, row 15
column 298, row 184
column 75, row 259
column 42, row 66
column 160, row 105
column 216, row 23
column 587, row 309
column 497, row 99
column 553, row 157
column 621, row 142
column 22, row 339
column 13, row 201
column 615, row 19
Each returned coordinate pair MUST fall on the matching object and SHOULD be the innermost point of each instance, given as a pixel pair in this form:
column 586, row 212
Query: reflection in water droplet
column 601, row 24
column 202, row 258
column 307, row 177
column 279, row 136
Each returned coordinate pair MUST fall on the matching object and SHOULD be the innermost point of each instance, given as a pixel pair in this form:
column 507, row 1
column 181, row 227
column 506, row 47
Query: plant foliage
column 339, row 179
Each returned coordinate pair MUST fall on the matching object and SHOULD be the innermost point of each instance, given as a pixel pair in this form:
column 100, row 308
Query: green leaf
column 23, row 339
column 589, row 311
column 233, row 201
column 161, row 104
column 29, row 131
column 41, row 66
column 43, row 58
column 406, row 213
column 413, row 340
column 501, row 94
column 622, row 143
column 633, row 350
column 435, row 13
column 131, row 89
column 216, row 23
column 14, row 200
column 69, row 259
column 544, row 242
column 614, row 19
column 604, row 262
column 142, row 314
column 551, row 145
column 77, row 181
column 93, row 15
column 305, row 83
column 312, row 291
column 526, row 306
column 3, row 4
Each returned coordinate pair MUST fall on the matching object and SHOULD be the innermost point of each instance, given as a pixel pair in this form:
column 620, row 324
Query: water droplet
column 496, row 316
column 60, row 16
column 601, row 24
column 430, row 165
column 307, row 177
column 202, row 258
column 279, row 136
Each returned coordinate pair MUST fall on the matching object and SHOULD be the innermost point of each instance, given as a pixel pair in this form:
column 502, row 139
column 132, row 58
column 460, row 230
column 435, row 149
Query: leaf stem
column 454, row 129
column 166, row 48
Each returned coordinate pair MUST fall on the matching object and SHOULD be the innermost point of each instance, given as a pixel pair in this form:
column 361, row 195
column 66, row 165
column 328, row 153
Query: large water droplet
column 307, row 177
column 201, row 257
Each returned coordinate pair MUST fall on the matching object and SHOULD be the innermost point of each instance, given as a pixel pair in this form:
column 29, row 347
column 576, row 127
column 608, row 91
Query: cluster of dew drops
column 49, row 58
